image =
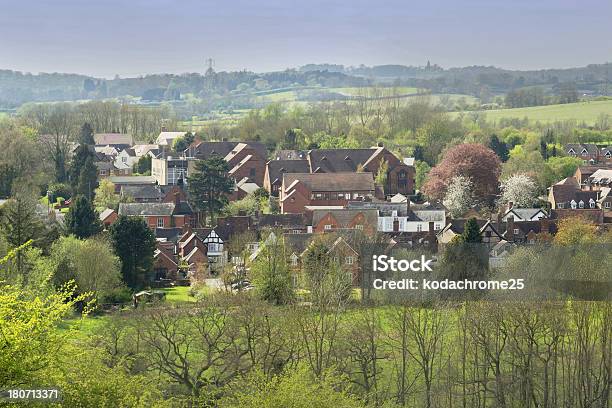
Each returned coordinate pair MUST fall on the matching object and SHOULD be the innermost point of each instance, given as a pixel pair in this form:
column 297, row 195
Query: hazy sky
column 133, row 37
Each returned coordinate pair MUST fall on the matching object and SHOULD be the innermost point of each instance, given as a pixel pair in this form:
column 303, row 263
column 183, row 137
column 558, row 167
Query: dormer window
column 516, row 231
column 591, row 203
column 573, row 204
column 581, row 204
column 584, row 152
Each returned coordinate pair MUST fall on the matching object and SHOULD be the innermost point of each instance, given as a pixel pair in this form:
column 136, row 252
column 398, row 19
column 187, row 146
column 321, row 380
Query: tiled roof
column 345, row 216
column 277, row 167
column 103, row 139
column 332, row 182
column 144, row 209
column 339, row 160
column 282, row 220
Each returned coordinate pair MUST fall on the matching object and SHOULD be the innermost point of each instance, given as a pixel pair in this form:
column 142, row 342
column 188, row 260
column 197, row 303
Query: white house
column 125, row 160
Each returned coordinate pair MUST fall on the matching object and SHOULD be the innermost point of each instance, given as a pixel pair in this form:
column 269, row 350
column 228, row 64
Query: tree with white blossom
column 459, row 196
column 520, row 190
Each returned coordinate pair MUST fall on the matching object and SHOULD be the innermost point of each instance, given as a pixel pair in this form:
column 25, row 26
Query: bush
column 58, row 190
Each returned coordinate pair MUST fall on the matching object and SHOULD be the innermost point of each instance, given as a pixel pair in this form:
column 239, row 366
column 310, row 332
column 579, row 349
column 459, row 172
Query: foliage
column 520, row 190
column 270, row 272
column 90, row 263
column 474, row 161
column 459, row 196
column 134, row 243
column 105, row 196
column 209, row 184
column 57, row 190
column 422, row 171
column 143, row 165
column 86, row 137
column 82, row 219
column 294, row 388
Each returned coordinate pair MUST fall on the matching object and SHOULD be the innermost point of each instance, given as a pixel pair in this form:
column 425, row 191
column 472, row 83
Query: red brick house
column 320, row 189
column 400, row 176
column 107, row 217
column 161, row 215
column 273, row 176
column 334, row 220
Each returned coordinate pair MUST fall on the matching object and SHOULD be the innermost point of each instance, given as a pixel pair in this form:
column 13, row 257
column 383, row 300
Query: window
column 436, row 226
column 581, row 204
column 561, row 205
column 252, row 172
column 592, row 203
column 349, row 260
column 294, row 260
column 607, row 204
column 573, row 204
column 327, row 227
column 516, row 231
column 124, row 159
column 419, row 227
column 359, row 227
column 160, row 223
column 296, row 231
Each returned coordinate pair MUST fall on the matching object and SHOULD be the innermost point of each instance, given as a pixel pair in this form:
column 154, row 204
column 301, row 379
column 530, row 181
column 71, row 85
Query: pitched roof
column 339, row 160
column 332, row 182
column 289, row 221
column 106, row 213
column 142, row 149
column 170, row 234
column 144, row 209
column 290, row 155
column 297, row 242
column 345, row 216
column 276, row 168
column 601, row 176
column 149, row 192
column 132, row 179
column 103, row 139
column 525, row 213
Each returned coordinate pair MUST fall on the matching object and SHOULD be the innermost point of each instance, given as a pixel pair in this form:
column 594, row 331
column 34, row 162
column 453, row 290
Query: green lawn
column 178, row 294
column 587, row 111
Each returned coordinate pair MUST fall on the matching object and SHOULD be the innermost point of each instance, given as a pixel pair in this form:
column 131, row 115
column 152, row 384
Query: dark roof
column 568, row 189
column 144, row 209
column 278, row 167
column 229, row 226
column 579, row 147
column 135, row 209
column 171, row 234
column 457, row 225
column 338, row 160
column 525, row 227
column 151, row 192
column 204, row 150
column 332, row 182
column 290, row 155
column 297, row 242
column 289, row 221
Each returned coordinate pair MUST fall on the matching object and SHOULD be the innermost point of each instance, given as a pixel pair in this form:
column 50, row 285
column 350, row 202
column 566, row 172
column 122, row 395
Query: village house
column 601, row 178
column 273, row 175
column 216, row 251
column 320, row 189
column 523, row 214
column 489, row 232
column 526, row 232
column 124, row 161
column 335, row 220
column 161, row 215
column 117, row 140
column 107, row 217
column 567, row 194
column 589, row 152
column 404, row 216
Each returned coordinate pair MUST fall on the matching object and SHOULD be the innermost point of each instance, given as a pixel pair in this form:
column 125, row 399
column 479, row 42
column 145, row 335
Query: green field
column 587, row 111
